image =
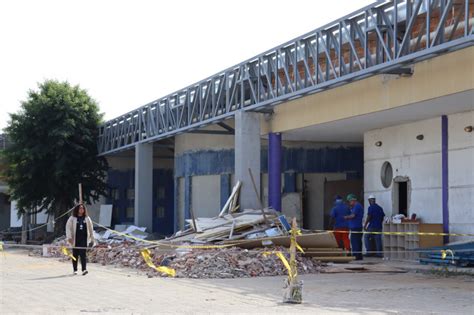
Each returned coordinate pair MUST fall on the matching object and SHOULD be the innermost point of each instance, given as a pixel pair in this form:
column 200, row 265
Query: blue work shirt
column 376, row 216
column 356, row 222
column 338, row 212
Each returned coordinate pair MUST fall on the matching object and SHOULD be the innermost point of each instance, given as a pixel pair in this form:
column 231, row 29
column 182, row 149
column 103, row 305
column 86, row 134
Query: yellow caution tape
column 166, row 244
column 290, row 266
column 298, row 247
column 283, row 259
column 146, row 256
column 444, row 254
column 232, row 244
column 396, row 233
column 67, row 253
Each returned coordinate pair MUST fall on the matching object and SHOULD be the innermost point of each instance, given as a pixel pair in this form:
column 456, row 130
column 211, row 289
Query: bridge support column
column 144, row 185
column 247, row 156
column 274, row 171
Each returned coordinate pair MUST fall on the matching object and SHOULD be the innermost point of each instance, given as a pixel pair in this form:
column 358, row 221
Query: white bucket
column 46, row 251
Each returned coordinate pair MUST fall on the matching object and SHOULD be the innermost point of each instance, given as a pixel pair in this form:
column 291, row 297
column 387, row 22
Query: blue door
column 163, row 202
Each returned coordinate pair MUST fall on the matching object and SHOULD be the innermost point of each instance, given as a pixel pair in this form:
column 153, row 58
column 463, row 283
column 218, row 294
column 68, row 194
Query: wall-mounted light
column 468, row 129
column 420, row 137
column 378, row 143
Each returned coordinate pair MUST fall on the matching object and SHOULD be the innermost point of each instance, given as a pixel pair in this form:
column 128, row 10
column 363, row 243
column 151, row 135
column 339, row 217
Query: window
column 160, row 212
column 386, row 174
column 114, row 194
column 130, row 212
column 160, row 192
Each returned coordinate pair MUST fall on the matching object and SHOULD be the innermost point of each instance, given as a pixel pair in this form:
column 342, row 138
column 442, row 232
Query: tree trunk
column 25, row 219
column 60, row 224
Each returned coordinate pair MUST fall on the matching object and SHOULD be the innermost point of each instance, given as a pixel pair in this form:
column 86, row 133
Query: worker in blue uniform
column 373, row 223
column 341, row 225
column 355, row 225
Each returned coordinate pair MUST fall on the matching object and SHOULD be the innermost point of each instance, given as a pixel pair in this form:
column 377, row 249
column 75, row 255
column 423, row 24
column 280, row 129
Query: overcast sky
column 128, row 53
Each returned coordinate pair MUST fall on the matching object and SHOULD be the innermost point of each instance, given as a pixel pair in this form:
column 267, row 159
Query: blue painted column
column 445, row 175
column 274, row 171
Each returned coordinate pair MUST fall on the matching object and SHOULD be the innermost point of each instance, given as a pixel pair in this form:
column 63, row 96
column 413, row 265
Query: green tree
column 54, row 147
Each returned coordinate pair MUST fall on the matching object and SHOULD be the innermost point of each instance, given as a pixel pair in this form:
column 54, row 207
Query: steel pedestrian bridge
column 384, row 37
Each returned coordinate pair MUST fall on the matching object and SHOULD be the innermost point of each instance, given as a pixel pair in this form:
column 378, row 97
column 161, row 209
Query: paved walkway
column 34, row 285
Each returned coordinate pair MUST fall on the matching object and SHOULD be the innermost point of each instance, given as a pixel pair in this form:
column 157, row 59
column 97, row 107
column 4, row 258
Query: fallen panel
column 313, row 240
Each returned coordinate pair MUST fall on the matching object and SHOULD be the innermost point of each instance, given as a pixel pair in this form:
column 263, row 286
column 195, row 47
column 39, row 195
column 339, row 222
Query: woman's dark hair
column 75, row 211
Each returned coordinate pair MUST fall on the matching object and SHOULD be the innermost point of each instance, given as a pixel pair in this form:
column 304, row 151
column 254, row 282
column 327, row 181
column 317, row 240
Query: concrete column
column 247, row 156
column 274, row 171
column 144, row 185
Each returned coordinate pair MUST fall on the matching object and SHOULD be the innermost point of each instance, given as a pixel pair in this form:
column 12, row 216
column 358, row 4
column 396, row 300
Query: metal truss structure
column 384, row 37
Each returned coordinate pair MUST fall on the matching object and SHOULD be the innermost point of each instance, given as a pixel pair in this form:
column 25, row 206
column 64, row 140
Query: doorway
column 403, row 198
column 401, row 195
column 341, row 188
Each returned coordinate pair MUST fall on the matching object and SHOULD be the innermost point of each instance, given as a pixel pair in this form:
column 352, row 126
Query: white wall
column 316, row 197
column 206, row 196
column 421, row 162
column 41, row 217
column 461, row 174
column 14, row 221
column 93, row 210
column 195, row 141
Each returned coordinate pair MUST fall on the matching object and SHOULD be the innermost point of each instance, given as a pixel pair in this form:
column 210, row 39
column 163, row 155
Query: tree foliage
column 54, row 147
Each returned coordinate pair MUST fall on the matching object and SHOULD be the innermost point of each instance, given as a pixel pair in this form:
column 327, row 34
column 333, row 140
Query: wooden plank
column 338, row 259
column 351, row 268
column 427, row 241
column 313, row 240
column 232, row 195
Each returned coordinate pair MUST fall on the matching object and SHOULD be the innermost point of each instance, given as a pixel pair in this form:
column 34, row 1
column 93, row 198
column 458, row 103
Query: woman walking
column 79, row 233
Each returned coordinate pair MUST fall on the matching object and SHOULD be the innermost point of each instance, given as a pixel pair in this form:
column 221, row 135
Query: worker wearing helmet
column 373, row 223
column 355, row 225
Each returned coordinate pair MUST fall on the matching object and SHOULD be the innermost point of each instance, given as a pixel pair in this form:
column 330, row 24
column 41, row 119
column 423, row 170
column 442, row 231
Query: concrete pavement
column 34, row 285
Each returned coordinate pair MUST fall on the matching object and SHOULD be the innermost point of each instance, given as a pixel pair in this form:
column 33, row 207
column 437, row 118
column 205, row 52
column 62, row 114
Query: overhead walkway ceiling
column 384, row 37
column 352, row 129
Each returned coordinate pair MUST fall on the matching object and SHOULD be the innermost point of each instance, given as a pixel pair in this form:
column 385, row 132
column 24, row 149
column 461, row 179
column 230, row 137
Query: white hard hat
column 371, row 197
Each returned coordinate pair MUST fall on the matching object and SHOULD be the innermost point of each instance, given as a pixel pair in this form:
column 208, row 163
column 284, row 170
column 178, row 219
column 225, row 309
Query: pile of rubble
column 239, row 238
column 231, row 263
column 194, row 263
column 107, row 252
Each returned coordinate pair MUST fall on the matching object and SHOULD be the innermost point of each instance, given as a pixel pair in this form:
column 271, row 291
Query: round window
column 386, row 174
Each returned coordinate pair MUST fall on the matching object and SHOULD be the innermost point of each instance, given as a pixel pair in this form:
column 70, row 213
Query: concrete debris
column 192, row 263
column 135, row 231
column 231, row 263
column 244, row 237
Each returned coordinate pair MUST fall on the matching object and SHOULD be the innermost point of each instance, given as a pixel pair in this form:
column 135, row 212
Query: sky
column 128, row 53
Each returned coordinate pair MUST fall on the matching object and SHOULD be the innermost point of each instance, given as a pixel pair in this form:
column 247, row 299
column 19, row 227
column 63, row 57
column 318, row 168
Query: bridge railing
column 384, row 37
